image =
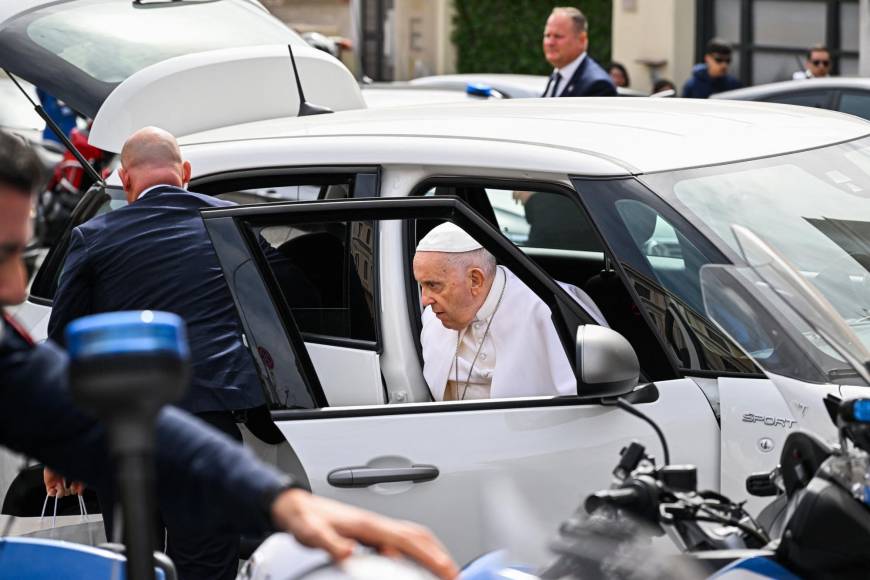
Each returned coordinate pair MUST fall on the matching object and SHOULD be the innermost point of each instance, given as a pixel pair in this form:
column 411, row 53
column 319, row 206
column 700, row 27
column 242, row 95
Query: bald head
column 150, row 157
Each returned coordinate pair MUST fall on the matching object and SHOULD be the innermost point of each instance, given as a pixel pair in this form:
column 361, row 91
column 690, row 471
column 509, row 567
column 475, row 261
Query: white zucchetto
column 449, row 238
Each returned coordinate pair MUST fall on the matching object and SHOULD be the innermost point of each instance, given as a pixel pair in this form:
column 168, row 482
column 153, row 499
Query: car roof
column 796, row 86
column 612, row 135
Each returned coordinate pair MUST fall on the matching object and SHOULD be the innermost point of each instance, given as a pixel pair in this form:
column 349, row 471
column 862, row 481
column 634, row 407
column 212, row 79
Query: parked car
column 398, row 94
column 338, row 348
column 844, row 94
column 509, row 85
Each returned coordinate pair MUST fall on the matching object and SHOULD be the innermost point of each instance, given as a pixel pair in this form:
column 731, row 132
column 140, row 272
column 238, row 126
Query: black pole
column 88, row 168
column 135, row 479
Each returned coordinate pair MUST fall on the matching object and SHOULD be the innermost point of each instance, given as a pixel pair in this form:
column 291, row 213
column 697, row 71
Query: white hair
column 479, row 258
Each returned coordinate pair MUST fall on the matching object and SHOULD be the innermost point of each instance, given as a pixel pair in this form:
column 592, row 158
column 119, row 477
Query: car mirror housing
column 607, row 365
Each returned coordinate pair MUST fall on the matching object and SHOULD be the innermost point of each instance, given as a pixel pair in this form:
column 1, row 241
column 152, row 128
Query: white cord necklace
column 479, row 348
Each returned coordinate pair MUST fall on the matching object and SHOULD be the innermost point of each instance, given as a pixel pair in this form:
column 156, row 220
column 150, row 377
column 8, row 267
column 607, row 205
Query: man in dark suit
column 155, row 254
column 203, row 479
column 576, row 74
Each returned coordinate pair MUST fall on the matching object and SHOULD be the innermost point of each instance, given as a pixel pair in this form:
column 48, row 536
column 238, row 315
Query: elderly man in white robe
column 485, row 333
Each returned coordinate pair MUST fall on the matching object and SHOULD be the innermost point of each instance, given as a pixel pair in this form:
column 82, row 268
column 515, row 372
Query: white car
column 339, row 347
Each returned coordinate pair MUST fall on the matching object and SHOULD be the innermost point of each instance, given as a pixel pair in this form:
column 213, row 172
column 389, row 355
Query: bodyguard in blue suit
column 155, row 254
column 204, row 480
column 576, row 74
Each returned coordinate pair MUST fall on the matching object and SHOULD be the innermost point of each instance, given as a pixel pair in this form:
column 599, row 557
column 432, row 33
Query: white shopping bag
column 81, row 529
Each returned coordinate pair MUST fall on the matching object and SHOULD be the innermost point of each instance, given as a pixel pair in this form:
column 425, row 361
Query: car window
column 551, row 227
column 542, row 219
column 83, row 33
column 855, row 104
column 325, row 273
column 819, row 99
column 247, row 190
column 661, row 256
column 529, row 218
column 283, row 374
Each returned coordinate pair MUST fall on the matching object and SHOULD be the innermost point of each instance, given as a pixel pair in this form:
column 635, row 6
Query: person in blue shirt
column 711, row 76
column 59, row 112
column 197, row 467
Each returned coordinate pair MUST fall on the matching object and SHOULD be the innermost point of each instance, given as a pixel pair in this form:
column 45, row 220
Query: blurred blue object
column 478, row 89
column 59, row 112
column 130, row 332
column 36, row 559
column 495, row 566
column 861, row 410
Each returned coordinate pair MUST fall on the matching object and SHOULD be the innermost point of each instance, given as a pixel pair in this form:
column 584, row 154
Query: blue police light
column 478, row 90
column 861, row 410
column 122, row 333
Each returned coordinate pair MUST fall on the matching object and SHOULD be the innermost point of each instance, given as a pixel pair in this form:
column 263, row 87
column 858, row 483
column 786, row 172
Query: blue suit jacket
column 155, row 254
column 589, row 80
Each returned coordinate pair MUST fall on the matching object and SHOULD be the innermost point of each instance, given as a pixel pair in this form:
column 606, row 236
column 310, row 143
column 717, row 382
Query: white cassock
column 521, row 355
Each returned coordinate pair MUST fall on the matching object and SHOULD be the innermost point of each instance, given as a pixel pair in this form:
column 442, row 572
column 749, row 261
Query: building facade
column 404, row 39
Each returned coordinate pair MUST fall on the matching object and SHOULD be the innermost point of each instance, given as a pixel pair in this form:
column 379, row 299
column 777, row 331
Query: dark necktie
column 556, row 78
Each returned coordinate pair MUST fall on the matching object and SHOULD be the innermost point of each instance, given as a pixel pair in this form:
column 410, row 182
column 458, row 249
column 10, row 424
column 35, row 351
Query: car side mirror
column 607, row 365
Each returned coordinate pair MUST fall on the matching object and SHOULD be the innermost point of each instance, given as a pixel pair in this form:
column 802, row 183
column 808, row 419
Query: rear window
column 110, row 41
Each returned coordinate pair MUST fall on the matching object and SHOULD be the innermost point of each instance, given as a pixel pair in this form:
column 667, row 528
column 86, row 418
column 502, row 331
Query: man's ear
column 185, row 173
column 125, row 183
column 477, row 280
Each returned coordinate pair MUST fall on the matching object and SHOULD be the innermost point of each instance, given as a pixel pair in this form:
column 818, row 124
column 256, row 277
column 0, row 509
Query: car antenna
column 89, row 169
column 305, row 108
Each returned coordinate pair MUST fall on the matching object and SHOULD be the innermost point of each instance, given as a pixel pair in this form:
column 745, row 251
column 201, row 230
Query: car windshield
column 110, row 41
column 813, row 207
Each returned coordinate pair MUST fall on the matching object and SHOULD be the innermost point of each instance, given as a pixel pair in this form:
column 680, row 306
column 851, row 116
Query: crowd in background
column 713, row 75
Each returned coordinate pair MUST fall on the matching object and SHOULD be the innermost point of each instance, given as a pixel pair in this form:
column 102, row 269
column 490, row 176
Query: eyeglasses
column 821, row 62
column 722, row 59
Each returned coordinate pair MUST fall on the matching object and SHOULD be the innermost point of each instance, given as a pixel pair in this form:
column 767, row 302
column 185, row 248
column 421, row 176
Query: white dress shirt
column 480, row 376
column 145, row 191
column 566, row 72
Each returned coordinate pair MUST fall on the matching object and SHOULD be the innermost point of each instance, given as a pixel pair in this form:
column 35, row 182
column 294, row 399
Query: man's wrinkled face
column 819, row 63
column 448, row 289
column 15, row 233
column 562, row 42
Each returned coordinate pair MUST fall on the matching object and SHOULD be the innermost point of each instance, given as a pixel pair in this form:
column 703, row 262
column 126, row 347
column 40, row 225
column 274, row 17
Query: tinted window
column 83, row 33
column 247, row 190
column 819, row 99
column 855, row 104
column 273, row 346
column 325, row 273
column 662, row 256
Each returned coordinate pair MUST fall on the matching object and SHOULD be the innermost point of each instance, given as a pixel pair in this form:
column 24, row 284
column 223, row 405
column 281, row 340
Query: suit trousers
column 206, row 556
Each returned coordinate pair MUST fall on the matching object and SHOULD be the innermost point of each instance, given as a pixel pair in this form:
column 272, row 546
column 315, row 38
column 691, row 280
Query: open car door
column 183, row 66
column 438, row 463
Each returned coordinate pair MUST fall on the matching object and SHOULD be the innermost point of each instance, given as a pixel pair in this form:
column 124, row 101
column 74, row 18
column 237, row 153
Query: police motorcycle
column 653, row 522
column 124, row 367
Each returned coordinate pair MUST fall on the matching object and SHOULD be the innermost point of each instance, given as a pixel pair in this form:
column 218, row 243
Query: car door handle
column 366, row 476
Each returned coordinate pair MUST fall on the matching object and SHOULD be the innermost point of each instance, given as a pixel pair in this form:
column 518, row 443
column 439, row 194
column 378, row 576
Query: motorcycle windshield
column 781, row 320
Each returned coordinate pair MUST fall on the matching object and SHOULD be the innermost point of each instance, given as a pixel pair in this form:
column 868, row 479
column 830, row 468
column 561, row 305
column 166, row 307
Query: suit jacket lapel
column 574, row 82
